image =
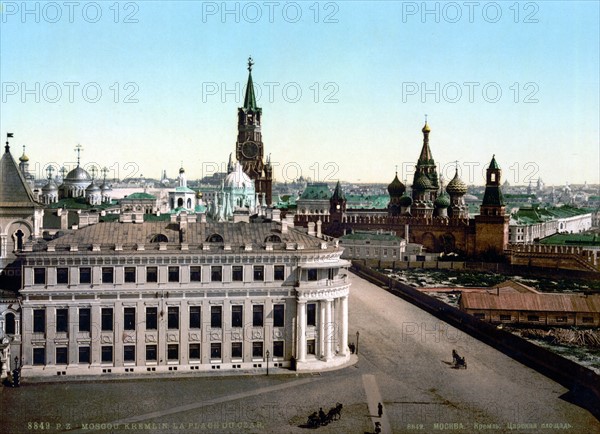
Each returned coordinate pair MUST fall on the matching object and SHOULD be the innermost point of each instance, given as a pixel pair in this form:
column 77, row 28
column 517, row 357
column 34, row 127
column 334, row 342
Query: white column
column 328, row 330
column 344, row 346
column 322, row 329
column 301, row 331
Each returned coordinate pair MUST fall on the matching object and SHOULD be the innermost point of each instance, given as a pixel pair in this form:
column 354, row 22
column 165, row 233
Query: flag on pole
column 9, row 135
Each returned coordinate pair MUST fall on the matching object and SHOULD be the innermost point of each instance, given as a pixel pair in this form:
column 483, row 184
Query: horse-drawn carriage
column 321, row 418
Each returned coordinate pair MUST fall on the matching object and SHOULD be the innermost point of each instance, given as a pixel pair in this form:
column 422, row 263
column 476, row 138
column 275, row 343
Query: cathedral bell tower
column 249, row 148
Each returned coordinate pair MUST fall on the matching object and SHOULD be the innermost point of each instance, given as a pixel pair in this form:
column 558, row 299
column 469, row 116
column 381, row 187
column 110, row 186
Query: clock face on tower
column 249, row 149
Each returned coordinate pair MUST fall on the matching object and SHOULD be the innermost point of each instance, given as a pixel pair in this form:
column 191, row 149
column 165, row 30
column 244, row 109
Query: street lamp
column 357, row 335
column 268, row 354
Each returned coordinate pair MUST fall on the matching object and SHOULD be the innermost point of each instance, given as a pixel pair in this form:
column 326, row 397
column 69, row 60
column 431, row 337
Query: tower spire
column 250, row 98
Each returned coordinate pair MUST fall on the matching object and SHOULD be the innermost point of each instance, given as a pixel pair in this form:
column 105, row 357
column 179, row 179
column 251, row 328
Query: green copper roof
column 493, row 196
column 250, row 99
column 136, row 196
column 316, row 190
column 79, row 203
column 572, row 239
column 373, row 201
column 493, row 164
column 338, row 193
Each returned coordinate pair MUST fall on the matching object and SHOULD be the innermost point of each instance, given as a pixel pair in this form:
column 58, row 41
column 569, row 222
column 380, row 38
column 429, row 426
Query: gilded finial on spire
column 426, row 128
column 250, row 63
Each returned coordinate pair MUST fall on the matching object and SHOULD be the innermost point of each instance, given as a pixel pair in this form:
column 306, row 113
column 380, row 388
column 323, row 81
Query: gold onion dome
column 396, row 188
column 24, row 158
column 426, row 128
column 442, row 201
column 423, row 183
column 456, row 186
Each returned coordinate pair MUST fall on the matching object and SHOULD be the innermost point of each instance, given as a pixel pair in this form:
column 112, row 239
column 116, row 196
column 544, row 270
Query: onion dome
column 456, row 186
column 405, row 200
column 78, row 174
column 24, row 158
column 426, row 128
column 105, row 187
column 49, row 187
column 92, row 188
column 442, row 201
column 396, row 188
column 422, row 183
column 181, row 170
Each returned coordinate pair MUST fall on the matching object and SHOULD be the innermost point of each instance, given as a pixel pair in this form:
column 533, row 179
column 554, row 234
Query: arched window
column 273, row 239
column 19, row 236
column 10, row 324
column 179, row 202
column 159, row 238
column 215, row 238
column 189, row 203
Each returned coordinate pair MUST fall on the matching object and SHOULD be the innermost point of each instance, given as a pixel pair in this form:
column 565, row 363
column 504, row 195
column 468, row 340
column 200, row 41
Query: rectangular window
column 85, row 275
column 310, row 346
column 236, row 316
column 84, row 354
column 107, row 319
column 129, row 353
column 533, row 318
column 279, row 272
column 561, row 319
column 215, row 351
column 312, row 274
column 151, row 318
column 259, row 273
column 129, row 318
column 62, row 320
column 587, row 319
column 151, row 353
column 62, row 355
column 174, row 274
column 195, row 317
column 311, row 314
column 236, row 350
column 194, row 352
column 237, row 273
column 107, row 354
column 84, row 319
column 107, row 274
column 257, row 315
column 151, row 274
column 257, row 349
column 277, row 348
column 278, row 315
column 216, row 273
column 39, row 321
column 62, row 276
column 129, row 274
column 216, row 313
column 39, row 356
column 173, row 318
column 173, row 352
column 39, row 276
column 505, row 317
column 195, row 274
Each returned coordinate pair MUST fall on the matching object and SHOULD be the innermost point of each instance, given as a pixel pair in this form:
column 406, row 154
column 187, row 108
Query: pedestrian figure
column 379, row 409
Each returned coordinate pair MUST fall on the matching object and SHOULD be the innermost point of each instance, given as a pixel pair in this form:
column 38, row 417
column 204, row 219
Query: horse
column 336, row 412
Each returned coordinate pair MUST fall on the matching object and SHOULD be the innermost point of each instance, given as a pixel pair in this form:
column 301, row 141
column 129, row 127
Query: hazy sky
column 344, row 86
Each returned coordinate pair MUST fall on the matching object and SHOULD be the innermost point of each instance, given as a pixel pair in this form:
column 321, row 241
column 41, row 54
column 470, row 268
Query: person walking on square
column 380, row 409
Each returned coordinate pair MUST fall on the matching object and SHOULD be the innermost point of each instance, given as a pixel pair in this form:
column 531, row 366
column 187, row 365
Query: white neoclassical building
column 183, row 295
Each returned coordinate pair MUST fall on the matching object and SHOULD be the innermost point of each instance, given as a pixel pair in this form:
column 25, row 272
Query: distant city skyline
column 344, row 87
